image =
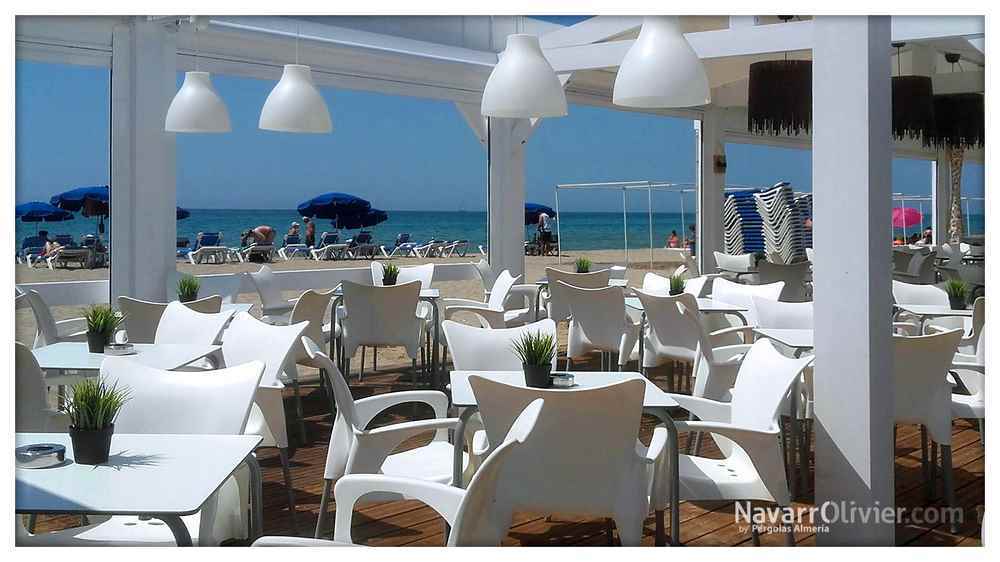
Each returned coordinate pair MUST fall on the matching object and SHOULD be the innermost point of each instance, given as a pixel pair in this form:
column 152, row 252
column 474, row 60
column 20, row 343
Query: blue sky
column 399, row 152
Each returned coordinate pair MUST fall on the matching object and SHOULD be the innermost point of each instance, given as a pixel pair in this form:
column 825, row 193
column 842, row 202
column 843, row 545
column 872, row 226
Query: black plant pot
column 91, row 446
column 97, row 341
column 187, row 298
column 674, row 292
column 388, row 282
column 537, row 376
column 957, row 303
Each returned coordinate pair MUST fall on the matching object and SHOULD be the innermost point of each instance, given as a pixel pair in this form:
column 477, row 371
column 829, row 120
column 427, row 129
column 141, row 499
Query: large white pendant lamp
column 197, row 107
column 661, row 69
column 295, row 104
column 523, row 84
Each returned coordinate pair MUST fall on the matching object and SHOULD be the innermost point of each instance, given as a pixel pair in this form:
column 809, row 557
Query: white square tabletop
column 75, row 356
column 707, row 305
column 926, row 310
column 797, row 338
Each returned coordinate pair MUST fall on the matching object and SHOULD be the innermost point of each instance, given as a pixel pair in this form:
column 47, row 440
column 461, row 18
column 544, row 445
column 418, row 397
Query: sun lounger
column 31, row 248
column 430, row 249
column 460, row 247
column 100, row 251
column 402, row 248
column 362, row 246
column 293, row 246
column 83, row 257
column 329, row 247
column 65, row 240
column 208, row 248
column 258, row 253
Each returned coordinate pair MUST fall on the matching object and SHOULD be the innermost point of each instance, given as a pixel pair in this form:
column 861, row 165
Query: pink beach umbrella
column 905, row 217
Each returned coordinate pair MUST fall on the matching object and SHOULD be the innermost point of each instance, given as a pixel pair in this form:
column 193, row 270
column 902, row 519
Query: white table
column 655, row 401
column 925, row 311
column 237, row 307
column 798, row 339
column 705, row 305
column 75, row 356
column 161, row 476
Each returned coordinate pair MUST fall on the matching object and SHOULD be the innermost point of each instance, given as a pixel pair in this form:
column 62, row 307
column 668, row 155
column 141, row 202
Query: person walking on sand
column 310, row 231
column 263, row 234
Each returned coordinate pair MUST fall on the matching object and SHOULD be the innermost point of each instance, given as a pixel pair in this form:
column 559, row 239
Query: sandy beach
column 534, row 269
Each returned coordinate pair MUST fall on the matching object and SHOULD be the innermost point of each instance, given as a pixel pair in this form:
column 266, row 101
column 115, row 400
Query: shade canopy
column 779, row 97
column 905, row 217
column 197, row 107
column 959, row 121
column 183, row 213
column 533, row 210
column 363, row 219
column 92, row 201
column 912, row 107
column 523, row 84
column 331, row 205
column 39, row 211
column 661, row 69
column 295, row 104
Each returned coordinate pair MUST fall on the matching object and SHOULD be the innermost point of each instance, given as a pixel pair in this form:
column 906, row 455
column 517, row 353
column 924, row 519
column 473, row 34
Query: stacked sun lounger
column 804, row 202
column 742, row 223
column 782, row 224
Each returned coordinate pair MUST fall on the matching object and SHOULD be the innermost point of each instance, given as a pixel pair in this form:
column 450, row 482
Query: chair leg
column 925, row 466
column 328, row 392
column 324, row 507
column 299, row 412
column 949, row 483
column 934, row 468
column 754, row 535
column 609, row 531
column 414, row 370
column 374, row 359
column 790, row 531
column 287, row 473
column 32, row 519
column 982, row 431
column 661, row 534
column 362, row 362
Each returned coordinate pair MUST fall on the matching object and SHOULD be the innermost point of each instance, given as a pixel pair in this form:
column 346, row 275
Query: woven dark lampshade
column 912, row 107
column 959, row 121
column 779, row 97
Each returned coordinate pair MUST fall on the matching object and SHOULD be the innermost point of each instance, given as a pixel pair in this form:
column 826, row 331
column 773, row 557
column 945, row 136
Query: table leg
column 256, row 498
column 673, row 443
column 538, row 302
column 181, row 535
column 794, row 438
column 435, row 375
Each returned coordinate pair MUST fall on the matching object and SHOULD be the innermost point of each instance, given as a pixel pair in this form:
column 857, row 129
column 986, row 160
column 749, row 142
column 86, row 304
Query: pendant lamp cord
column 298, row 33
column 196, row 65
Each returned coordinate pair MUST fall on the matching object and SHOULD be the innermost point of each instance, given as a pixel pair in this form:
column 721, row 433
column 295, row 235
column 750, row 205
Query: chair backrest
column 558, row 306
column 328, row 238
column 776, row 314
column 810, row 255
column 737, row 294
column 249, row 339
column 486, row 274
column 363, row 237
column 922, row 265
column 181, row 324
column 381, row 315
column 706, row 383
column 29, row 392
column 912, row 293
column 423, row 273
column 202, row 402
column 501, row 288
column 267, row 286
column 292, row 239
column 46, row 324
column 583, row 470
column 740, row 263
column 792, row 275
column 598, row 313
column 697, row 286
column 676, row 336
column 654, row 284
column 482, row 349
column 207, row 239
column 764, row 378
column 921, row 392
column 402, row 238
column 311, row 307
column 142, row 318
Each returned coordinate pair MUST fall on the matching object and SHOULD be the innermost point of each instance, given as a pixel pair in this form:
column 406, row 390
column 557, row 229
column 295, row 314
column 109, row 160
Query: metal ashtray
column 115, row 349
column 563, row 380
column 40, row 455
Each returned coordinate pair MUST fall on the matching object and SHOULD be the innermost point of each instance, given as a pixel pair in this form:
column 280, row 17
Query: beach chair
column 403, row 248
column 293, row 246
column 208, row 248
column 31, row 248
column 83, row 257
column 100, row 251
column 329, row 247
column 183, row 247
column 460, row 247
column 362, row 246
column 430, row 249
column 262, row 253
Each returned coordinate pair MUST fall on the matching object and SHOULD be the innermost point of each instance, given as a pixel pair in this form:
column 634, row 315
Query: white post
column 852, row 200
column 506, row 196
column 710, row 188
column 143, row 162
column 941, row 196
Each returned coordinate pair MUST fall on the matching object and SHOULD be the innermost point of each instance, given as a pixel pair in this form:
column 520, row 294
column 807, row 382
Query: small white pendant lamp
column 661, row 69
column 197, row 107
column 295, row 104
column 523, row 84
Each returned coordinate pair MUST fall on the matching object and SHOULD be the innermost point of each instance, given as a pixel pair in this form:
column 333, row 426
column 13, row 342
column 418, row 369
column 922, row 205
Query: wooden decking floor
column 411, row 523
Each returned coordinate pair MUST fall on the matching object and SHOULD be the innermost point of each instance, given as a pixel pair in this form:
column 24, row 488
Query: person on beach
column 898, row 241
column 674, row 241
column 294, row 229
column 692, row 237
column 263, row 234
column 927, row 238
column 310, row 231
column 51, row 246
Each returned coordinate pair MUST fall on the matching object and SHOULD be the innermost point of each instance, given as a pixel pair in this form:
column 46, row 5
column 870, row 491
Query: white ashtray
column 116, row 349
column 564, row 380
column 40, row 455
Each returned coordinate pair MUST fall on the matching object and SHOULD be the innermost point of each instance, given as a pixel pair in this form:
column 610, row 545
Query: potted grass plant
column 390, row 274
column 676, row 285
column 536, row 351
column 958, row 293
column 583, row 265
column 102, row 321
column 92, row 409
column 187, row 288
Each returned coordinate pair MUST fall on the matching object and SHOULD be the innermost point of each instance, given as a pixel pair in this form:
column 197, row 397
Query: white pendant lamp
column 295, row 105
column 197, row 107
column 661, row 69
column 523, row 84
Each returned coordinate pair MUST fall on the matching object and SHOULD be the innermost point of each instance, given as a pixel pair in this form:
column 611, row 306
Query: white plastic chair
column 32, row 413
column 482, row 349
column 556, row 305
column 479, row 515
column 794, row 277
column 492, row 314
column 919, row 270
column 922, row 294
column 599, row 323
column 311, row 307
column 168, row 402
column 183, row 325
column 746, row 431
column 970, row 341
column 274, row 307
column 971, row 370
column 355, row 449
column 726, row 291
column 48, row 330
column 717, row 362
column 782, row 315
column 584, row 458
column 738, row 264
column 668, row 336
column 142, row 318
column 922, row 395
column 249, row 339
column 381, row 317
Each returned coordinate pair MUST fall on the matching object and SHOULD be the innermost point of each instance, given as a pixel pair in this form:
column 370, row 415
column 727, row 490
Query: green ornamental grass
column 957, row 289
column 102, row 319
column 390, row 274
column 187, row 288
column 94, row 405
column 676, row 285
column 583, row 265
column 535, row 348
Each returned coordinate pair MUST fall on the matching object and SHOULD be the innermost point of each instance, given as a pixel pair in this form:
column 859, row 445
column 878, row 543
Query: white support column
column 710, row 188
column 143, row 160
column 506, row 196
column 941, row 196
column 852, row 198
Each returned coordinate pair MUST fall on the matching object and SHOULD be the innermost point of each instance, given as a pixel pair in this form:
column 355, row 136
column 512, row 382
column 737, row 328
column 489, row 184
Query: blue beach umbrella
column 183, row 213
column 533, row 210
column 331, row 205
column 364, row 219
column 92, row 200
column 39, row 211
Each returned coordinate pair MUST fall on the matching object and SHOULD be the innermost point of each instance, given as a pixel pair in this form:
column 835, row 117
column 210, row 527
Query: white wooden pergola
column 451, row 58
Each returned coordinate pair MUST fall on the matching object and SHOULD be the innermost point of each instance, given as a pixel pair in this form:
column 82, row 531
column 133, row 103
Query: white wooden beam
column 589, row 31
column 959, row 82
column 925, row 28
column 474, row 118
column 710, row 188
column 588, row 57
